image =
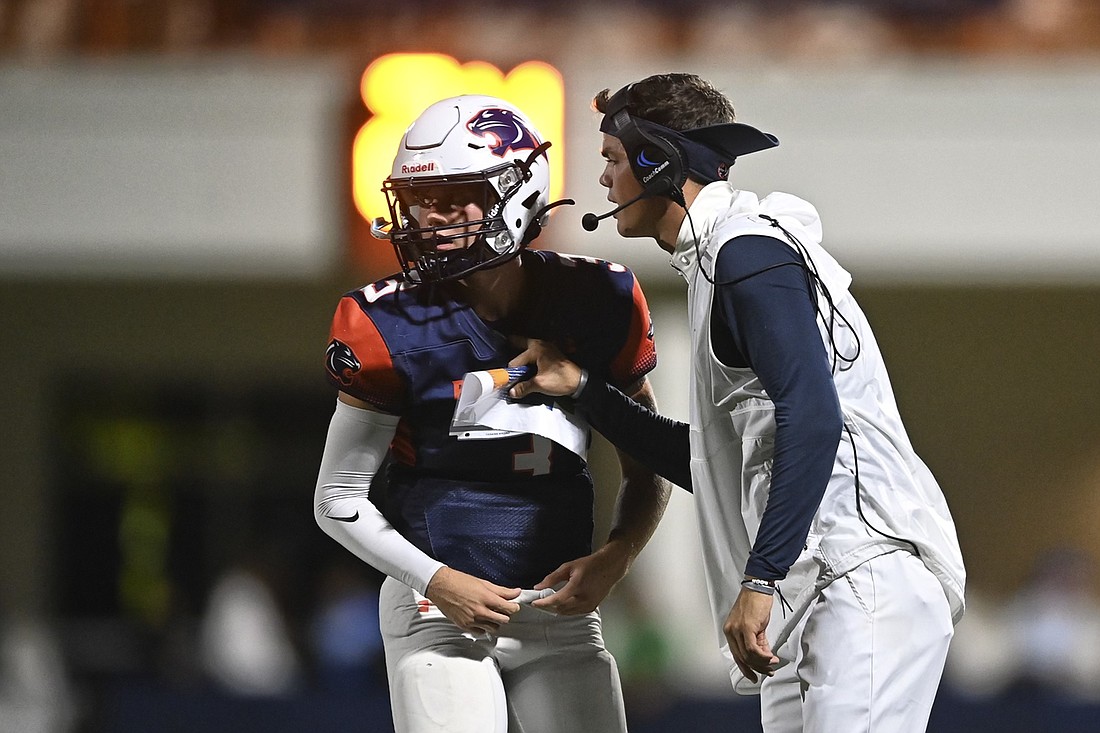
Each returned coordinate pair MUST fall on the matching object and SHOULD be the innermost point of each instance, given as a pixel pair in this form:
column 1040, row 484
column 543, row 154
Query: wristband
column 581, row 384
column 759, row 585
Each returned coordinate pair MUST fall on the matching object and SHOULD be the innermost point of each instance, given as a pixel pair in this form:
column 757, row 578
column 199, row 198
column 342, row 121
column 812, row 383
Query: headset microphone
column 590, row 221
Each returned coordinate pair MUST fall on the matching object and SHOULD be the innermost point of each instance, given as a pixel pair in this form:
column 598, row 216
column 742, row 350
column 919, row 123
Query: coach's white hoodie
column 733, row 431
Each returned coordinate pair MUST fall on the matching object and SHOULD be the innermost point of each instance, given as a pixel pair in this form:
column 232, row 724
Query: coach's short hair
column 676, row 101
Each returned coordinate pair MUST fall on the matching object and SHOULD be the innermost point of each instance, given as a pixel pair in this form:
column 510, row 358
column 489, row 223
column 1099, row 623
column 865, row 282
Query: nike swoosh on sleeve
column 352, row 518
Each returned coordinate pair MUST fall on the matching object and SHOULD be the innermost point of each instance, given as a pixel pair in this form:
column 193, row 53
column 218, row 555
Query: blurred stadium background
column 180, row 209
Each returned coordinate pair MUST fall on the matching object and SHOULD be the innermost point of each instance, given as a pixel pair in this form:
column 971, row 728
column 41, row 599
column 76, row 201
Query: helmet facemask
column 481, row 243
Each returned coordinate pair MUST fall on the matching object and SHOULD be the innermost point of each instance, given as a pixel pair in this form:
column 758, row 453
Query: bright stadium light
column 394, row 102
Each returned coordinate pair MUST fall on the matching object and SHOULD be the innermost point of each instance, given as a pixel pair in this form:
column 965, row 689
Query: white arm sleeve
column 357, row 442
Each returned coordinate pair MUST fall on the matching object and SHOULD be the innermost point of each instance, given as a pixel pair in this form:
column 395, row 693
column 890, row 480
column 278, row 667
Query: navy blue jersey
column 511, row 509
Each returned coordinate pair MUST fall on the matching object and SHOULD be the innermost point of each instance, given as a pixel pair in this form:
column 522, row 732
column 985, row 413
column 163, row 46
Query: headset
column 656, row 160
column 662, row 158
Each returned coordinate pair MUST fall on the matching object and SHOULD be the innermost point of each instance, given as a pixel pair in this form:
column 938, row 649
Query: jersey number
column 535, row 461
column 380, row 290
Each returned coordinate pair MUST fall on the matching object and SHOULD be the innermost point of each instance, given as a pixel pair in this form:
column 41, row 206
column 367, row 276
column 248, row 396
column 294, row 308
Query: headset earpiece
column 661, row 158
column 658, row 162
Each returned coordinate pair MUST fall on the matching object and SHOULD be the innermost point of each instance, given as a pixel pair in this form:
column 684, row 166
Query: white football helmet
column 467, row 149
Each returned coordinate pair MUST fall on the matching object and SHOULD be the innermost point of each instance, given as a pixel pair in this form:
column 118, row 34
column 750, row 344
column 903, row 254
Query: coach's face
column 640, row 218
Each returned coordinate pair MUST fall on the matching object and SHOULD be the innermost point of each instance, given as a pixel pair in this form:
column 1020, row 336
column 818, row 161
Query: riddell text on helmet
column 418, row 167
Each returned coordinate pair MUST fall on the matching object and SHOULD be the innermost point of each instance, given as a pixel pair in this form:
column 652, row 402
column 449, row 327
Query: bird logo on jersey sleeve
column 503, row 129
column 341, row 362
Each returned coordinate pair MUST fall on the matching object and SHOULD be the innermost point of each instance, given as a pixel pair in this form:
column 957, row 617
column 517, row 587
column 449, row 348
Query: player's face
column 640, row 218
column 450, row 207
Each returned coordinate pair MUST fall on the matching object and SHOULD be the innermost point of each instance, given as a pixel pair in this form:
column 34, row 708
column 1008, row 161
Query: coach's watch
column 759, row 585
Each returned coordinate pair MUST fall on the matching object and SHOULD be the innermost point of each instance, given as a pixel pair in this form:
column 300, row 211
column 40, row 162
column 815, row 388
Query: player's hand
column 587, row 580
column 745, row 630
column 472, row 604
column 557, row 376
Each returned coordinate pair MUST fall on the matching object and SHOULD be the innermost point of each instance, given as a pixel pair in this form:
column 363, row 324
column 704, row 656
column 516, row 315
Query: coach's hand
column 473, row 604
column 556, row 375
column 745, row 630
column 587, row 580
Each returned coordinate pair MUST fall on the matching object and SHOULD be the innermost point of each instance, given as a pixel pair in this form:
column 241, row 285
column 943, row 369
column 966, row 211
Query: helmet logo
column 504, row 130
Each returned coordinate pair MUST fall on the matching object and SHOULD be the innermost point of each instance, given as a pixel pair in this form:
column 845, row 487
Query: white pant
column 869, row 654
column 541, row 673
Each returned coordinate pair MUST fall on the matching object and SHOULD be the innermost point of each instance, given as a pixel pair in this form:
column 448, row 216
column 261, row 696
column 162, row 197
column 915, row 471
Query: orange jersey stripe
column 638, row 355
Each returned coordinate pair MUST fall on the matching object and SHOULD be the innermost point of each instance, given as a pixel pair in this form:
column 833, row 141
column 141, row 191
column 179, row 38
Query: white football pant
column 868, row 654
column 541, row 673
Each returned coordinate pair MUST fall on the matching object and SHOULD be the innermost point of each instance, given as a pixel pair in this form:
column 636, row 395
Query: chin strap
column 535, row 227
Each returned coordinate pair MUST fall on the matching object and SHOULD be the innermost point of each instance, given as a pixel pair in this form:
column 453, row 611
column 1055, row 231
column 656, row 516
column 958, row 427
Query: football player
column 489, row 611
